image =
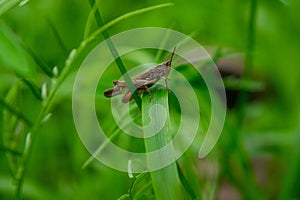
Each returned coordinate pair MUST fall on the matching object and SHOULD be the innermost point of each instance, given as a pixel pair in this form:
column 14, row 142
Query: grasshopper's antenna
column 170, row 61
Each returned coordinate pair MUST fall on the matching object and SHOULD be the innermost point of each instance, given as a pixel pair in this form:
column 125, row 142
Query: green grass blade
column 15, row 112
column 41, row 63
column 6, row 5
column 12, row 151
column 290, row 179
column 130, row 14
column 99, row 149
column 165, row 181
column 58, row 37
column 33, row 87
column 90, row 20
column 186, row 184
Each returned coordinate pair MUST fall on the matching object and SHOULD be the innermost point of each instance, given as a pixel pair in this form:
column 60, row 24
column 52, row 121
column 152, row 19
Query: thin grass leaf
column 6, row 5
column 90, row 20
column 135, row 181
column 186, row 184
column 15, row 57
column 38, row 60
column 166, row 182
column 163, row 43
column 124, row 197
column 58, row 38
column 99, row 149
column 33, row 87
column 141, row 187
column 12, row 151
column 13, row 111
column 142, row 193
column 290, row 179
column 131, row 14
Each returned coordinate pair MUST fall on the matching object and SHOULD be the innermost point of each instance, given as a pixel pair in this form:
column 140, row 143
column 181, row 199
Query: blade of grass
column 182, row 177
column 100, row 148
column 15, row 112
column 58, row 37
column 12, row 151
column 6, row 5
column 165, row 181
column 33, row 87
column 90, row 20
column 38, row 60
column 186, row 184
column 163, row 43
column 290, row 179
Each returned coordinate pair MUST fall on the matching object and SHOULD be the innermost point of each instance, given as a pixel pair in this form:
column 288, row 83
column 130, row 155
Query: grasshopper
column 142, row 82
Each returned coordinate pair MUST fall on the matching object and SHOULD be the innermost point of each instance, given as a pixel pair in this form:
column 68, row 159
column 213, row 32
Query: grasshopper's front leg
column 166, row 82
column 149, row 92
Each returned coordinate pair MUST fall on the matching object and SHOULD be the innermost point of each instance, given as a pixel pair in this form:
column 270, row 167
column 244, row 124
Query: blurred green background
column 257, row 155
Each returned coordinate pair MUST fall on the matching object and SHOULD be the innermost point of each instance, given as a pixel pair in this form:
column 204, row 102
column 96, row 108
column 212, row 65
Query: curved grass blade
column 100, row 148
column 90, row 20
column 186, row 184
column 58, row 37
column 128, row 15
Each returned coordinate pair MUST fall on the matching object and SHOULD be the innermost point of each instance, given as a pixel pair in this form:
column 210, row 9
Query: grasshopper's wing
column 144, row 83
column 116, row 90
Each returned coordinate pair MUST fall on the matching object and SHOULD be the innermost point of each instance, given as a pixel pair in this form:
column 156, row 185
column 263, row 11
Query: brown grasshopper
column 143, row 81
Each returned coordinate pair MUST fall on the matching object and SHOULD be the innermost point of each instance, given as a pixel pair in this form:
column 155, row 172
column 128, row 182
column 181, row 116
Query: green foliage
column 42, row 44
